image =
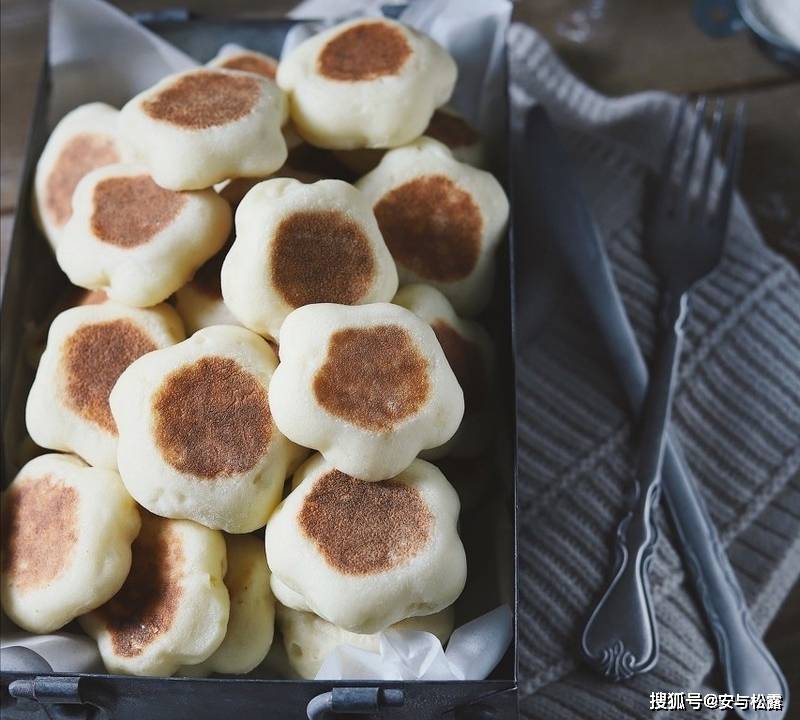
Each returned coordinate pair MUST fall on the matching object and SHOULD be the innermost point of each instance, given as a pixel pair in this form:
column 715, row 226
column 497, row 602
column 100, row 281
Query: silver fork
column 684, row 240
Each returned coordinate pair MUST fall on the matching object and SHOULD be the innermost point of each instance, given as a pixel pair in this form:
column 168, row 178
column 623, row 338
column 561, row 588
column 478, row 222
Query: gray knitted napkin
column 736, row 411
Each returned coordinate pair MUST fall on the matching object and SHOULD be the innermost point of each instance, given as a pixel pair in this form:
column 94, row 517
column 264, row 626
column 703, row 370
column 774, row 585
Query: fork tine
column 716, row 136
column 683, row 203
column 667, row 164
column 669, row 155
column 732, row 160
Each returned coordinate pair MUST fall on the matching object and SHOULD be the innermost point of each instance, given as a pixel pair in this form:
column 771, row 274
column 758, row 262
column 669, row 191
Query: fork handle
column 658, row 400
column 620, row 638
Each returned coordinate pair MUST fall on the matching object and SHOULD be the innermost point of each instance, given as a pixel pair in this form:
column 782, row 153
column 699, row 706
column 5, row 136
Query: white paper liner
column 64, row 651
column 472, row 653
column 98, row 53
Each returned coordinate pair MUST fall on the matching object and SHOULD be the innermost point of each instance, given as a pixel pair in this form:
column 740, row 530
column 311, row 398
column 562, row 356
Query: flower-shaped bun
column 84, row 139
column 236, row 58
column 446, row 126
column 468, row 349
column 135, row 240
column 173, row 608
column 366, row 83
column 308, row 639
column 363, row 555
column 463, row 140
column 67, row 534
column 233, row 57
column 251, row 623
column 298, row 244
column 196, row 436
column 367, row 385
column 201, row 126
column 199, row 302
column 441, row 219
column 87, row 349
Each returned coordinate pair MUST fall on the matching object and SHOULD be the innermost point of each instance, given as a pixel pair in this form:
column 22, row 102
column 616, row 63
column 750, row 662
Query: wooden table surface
column 618, row 47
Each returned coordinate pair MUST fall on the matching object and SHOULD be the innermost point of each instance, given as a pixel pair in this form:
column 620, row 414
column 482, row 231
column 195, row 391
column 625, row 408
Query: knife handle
column 747, row 664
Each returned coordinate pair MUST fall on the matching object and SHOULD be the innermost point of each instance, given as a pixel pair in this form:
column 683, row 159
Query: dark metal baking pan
column 33, row 285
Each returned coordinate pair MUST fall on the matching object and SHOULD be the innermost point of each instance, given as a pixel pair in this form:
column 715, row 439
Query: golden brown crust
column 204, row 99
column 373, row 377
column 79, row 156
column 40, row 530
column 366, row 51
column 146, row 605
column 251, row 63
column 432, row 227
column 130, row 211
column 321, row 256
column 365, row 528
column 212, row 419
column 95, row 355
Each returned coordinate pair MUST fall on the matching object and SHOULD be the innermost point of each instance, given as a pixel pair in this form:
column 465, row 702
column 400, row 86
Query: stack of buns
column 240, row 425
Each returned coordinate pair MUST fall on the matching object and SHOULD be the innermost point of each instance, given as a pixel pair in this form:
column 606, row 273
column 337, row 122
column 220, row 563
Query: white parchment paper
column 473, row 651
column 97, row 53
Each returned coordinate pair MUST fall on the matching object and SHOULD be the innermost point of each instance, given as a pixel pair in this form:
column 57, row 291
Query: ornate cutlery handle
column 620, row 639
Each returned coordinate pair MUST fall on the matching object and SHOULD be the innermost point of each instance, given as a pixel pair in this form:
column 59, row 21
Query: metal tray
column 33, row 285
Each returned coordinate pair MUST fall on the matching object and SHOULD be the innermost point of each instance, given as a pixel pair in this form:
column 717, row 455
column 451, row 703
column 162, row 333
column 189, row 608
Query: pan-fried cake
column 67, row 530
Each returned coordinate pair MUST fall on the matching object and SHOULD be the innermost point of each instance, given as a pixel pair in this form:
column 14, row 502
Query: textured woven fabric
column 736, row 411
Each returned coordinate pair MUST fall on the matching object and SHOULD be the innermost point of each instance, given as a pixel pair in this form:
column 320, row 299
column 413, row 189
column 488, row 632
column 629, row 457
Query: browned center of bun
column 432, row 227
column 373, row 377
column 204, row 99
column 251, row 63
column 130, row 211
column 451, row 130
column 321, row 256
column 212, row 418
column 94, row 357
column 364, row 528
column 79, row 156
column 466, row 361
column 365, row 51
column 40, row 530
column 148, row 602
